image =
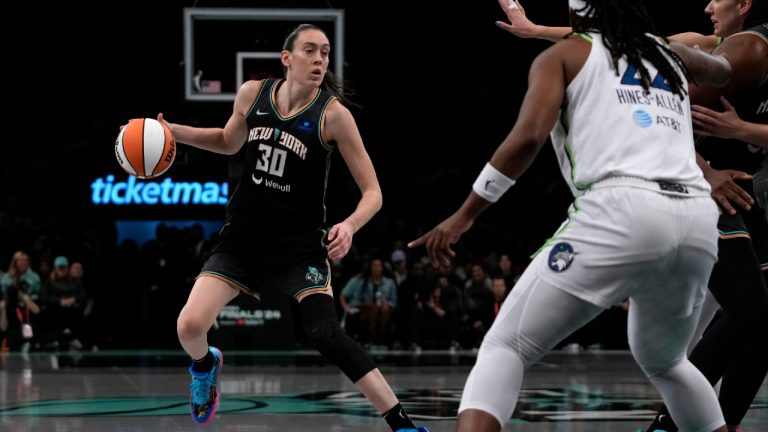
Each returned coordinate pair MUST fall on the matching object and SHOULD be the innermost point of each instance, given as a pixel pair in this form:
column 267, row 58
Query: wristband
column 491, row 183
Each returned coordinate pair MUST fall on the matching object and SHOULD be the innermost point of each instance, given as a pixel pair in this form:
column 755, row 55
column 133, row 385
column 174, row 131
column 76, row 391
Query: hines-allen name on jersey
column 638, row 97
column 282, row 137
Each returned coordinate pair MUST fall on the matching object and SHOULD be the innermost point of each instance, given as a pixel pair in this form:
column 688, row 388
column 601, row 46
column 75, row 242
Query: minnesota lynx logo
column 313, row 275
column 561, row 256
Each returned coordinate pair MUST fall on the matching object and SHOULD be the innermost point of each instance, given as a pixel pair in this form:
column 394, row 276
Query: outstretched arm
column 226, row 140
column 512, row 158
column 706, row 69
column 520, row 26
column 340, row 126
column 728, row 124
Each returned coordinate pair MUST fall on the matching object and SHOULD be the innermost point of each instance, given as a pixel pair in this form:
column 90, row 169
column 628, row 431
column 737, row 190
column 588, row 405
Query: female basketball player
column 275, row 235
column 642, row 225
column 735, row 346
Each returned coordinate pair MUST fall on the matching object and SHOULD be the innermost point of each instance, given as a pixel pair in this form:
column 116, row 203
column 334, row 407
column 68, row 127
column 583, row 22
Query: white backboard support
column 289, row 17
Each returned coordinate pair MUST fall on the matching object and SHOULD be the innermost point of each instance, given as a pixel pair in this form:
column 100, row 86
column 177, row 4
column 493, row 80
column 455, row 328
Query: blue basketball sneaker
column 420, row 429
column 204, row 390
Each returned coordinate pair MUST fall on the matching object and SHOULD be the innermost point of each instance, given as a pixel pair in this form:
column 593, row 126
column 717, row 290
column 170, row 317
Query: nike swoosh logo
column 256, row 180
column 259, row 112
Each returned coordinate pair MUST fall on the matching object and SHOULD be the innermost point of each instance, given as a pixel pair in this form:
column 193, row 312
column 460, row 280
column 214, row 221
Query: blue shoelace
column 200, row 389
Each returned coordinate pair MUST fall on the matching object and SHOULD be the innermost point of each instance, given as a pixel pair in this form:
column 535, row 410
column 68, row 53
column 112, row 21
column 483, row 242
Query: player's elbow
column 377, row 199
column 720, row 73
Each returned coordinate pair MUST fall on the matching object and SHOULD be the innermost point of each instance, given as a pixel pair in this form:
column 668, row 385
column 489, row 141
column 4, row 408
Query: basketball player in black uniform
column 735, row 346
column 275, row 236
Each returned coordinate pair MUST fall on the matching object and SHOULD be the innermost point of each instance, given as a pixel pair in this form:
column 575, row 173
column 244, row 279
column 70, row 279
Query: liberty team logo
column 313, row 275
column 561, row 256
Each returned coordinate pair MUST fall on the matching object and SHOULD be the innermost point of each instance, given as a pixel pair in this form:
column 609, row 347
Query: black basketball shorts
column 296, row 264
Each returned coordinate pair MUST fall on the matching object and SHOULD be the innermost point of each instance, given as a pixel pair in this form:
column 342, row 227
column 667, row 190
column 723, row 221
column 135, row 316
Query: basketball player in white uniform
column 642, row 226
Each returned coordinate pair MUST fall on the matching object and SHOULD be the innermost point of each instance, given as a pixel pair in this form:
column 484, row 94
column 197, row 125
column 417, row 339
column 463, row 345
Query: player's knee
column 322, row 333
column 656, row 362
column 189, row 326
column 528, row 351
column 336, row 346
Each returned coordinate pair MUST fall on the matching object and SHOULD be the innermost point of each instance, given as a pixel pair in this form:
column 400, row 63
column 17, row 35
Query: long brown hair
column 330, row 83
column 13, row 269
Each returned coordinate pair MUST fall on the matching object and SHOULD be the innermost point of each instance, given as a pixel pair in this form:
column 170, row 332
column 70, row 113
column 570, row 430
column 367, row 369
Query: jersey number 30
column 272, row 160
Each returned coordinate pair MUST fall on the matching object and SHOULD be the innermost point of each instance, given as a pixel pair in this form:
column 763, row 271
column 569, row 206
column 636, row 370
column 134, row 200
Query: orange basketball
column 145, row 148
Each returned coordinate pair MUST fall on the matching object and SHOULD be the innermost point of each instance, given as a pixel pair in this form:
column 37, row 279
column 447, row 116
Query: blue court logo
column 561, row 256
column 642, row 118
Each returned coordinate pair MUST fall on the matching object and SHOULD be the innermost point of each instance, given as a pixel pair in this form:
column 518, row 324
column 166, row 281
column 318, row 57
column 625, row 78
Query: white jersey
column 612, row 128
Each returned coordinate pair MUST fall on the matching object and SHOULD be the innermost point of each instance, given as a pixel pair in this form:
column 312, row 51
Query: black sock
column 203, row 365
column 662, row 422
column 397, row 418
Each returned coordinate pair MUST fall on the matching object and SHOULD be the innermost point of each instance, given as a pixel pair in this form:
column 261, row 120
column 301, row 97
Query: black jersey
column 752, row 106
column 282, row 188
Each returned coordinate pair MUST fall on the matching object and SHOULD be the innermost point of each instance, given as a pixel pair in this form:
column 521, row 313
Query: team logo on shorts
column 561, row 256
column 313, row 275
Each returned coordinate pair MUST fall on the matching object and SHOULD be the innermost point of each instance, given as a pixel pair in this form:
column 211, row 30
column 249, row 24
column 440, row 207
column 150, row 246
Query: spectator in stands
column 409, row 312
column 17, row 307
column 500, row 292
column 399, row 266
column 478, row 307
column 370, row 299
column 65, row 301
column 442, row 310
column 19, row 273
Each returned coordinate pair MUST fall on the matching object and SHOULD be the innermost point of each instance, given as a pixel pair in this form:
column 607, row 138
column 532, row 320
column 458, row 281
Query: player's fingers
column 727, row 105
column 333, row 233
column 504, row 26
column 702, row 110
column 418, row 242
column 739, row 197
column 740, row 175
column 725, row 204
column 702, row 133
column 433, row 248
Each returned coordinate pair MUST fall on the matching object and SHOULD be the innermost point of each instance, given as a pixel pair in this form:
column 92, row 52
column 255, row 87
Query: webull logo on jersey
column 270, row 183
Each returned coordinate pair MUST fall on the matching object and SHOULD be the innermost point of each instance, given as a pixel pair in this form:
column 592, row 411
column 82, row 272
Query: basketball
column 145, row 148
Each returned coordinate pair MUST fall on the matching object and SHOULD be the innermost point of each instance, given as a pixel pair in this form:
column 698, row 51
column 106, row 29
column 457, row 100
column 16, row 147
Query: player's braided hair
column 757, row 15
column 330, row 83
column 624, row 25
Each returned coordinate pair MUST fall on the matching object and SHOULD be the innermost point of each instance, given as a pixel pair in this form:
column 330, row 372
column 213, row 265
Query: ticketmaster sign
column 106, row 191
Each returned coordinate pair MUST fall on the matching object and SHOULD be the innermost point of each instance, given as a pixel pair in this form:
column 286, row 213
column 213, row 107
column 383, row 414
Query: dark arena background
column 438, row 87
